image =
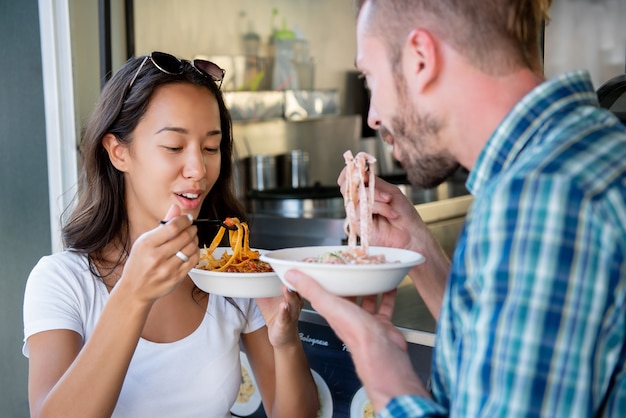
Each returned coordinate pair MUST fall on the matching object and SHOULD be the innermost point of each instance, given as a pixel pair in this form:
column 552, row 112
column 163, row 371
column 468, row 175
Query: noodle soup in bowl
column 351, row 279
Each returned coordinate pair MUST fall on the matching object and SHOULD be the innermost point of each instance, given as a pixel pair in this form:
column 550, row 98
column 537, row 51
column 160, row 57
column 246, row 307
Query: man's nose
column 372, row 118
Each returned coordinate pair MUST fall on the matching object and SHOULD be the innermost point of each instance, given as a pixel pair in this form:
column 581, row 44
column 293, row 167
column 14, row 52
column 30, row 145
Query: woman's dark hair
column 99, row 217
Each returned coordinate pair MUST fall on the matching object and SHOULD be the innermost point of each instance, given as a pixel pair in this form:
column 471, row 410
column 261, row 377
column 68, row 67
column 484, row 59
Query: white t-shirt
column 197, row 376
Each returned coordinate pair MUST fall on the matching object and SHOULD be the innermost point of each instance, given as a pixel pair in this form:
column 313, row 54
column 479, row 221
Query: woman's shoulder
column 65, row 268
column 61, row 293
column 67, row 260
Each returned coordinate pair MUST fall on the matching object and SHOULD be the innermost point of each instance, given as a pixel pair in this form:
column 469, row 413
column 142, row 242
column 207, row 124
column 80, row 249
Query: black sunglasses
column 169, row 64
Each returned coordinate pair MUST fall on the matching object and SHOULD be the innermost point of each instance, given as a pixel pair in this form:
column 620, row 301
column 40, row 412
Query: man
column 531, row 310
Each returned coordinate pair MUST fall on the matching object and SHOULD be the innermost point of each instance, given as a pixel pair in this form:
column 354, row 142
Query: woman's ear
column 118, row 153
column 422, row 58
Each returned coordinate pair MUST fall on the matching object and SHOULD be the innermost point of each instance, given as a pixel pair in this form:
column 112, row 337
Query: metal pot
column 262, row 172
column 293, row 169
column 304, row 202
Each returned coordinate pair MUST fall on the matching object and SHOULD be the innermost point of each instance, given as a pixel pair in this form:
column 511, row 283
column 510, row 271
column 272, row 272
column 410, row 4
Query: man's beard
column 413, row 133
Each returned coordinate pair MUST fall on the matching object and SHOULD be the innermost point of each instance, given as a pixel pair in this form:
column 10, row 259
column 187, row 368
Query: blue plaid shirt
column 533, row 321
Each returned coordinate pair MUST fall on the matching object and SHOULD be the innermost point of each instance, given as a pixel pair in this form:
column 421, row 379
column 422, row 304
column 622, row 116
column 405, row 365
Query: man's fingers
column 369, row 303
column 388, row 303
column 335, row 309
column 305, row 286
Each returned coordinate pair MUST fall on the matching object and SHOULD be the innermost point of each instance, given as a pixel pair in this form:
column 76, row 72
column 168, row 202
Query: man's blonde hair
column 497, row 36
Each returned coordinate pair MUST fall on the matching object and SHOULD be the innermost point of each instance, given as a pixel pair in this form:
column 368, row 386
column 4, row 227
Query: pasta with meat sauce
column 243, row 259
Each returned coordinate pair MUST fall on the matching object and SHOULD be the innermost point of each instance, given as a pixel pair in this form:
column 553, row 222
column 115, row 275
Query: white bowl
column 325, row 397
column 346, row 279
column 248, row 406
column 361, row 406
column 236, row 285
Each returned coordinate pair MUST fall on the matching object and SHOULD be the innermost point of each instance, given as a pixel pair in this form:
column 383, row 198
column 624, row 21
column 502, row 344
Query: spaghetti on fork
column 243, row 259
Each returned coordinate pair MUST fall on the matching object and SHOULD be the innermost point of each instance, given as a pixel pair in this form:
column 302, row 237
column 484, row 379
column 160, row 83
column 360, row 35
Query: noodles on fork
column 359, row 197
column 242, row 260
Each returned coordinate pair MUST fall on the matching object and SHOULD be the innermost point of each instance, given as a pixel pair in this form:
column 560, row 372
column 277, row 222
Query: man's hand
column 377, row 347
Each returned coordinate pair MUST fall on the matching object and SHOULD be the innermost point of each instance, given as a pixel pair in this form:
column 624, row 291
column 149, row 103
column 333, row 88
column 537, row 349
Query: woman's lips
column 189, row 200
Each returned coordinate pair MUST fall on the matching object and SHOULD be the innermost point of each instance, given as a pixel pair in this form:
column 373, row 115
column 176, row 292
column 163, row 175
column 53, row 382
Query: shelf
column 288, row 104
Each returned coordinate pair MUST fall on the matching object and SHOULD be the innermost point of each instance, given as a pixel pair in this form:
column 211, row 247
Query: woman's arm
column 71, row 380
column 65, row 380
column 278, row 360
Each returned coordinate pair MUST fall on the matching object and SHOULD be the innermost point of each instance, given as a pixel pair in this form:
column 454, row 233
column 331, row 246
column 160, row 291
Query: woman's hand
column 278, row 359
column 281, row 315
column 156, row 263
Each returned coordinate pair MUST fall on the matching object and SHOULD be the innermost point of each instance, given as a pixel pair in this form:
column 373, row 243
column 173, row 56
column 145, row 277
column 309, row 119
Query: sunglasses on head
column 169, row 64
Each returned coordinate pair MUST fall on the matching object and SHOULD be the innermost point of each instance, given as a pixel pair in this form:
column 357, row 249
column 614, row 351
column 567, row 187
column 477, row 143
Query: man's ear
column 422, row 60
column 118, row 153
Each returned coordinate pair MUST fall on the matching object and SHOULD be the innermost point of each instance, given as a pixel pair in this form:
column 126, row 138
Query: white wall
column 588, row 34
column 187, row 28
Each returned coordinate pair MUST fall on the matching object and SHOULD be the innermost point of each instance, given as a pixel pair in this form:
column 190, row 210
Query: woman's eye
column 172, row 149
column 212, row 150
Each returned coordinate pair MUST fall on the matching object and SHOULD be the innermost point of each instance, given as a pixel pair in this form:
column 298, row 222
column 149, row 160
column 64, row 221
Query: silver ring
column 182, row 256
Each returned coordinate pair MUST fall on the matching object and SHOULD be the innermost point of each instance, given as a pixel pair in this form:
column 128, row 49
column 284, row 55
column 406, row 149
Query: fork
column 210, row 221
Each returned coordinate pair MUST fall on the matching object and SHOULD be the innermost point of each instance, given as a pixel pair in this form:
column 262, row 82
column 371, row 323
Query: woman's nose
column 194, row 164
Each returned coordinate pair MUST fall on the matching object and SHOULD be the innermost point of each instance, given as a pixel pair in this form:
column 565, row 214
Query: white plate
column 244, row 409
column 359, row 403
column 236, row 285
column 326, row 399
column 347, row 279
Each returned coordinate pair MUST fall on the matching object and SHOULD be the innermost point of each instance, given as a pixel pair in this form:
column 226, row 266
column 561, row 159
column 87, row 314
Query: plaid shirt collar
column 525, row 119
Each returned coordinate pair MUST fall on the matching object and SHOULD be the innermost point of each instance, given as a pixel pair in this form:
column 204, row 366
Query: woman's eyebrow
column 173, row 129
column 214, row 132
column 186, row 131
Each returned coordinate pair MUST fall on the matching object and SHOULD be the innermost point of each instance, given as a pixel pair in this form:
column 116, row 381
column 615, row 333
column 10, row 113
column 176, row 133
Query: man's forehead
column 367, row 41
column 370, row 50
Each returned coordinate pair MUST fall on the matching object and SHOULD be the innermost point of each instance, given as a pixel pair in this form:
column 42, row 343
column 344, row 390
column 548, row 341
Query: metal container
column 294, row 169
column 262, row 172
column 308, row 202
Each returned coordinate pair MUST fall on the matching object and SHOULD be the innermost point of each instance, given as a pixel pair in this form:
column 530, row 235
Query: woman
column 113, row 325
